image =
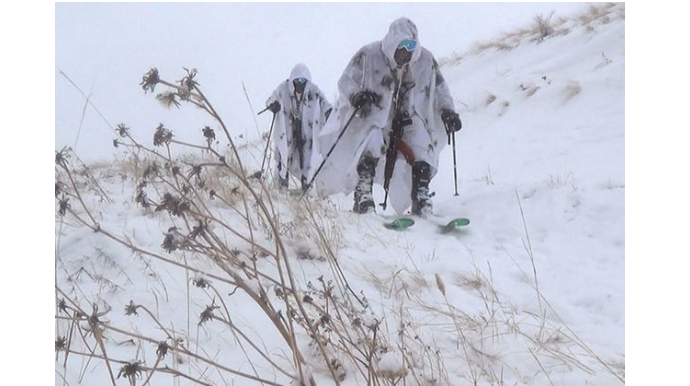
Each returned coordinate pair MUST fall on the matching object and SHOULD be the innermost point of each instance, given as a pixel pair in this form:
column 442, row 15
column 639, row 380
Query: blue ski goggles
column 408, row 44
column 300, row 80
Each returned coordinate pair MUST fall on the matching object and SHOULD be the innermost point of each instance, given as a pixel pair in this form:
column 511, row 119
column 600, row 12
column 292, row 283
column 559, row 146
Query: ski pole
column 262, row 111
column 451, row 138
column 306, row 189
column 268, row 141
column 455, row 165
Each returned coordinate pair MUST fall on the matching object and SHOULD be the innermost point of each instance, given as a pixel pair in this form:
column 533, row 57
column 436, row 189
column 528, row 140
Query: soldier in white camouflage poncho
column 300, row 110
column 394, row 80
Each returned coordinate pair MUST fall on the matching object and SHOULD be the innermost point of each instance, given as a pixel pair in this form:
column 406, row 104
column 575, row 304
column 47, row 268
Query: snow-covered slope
column 531, row 293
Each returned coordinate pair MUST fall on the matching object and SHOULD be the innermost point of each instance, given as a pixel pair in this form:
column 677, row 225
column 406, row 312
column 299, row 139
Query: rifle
column 298, row 138
column 399, row 122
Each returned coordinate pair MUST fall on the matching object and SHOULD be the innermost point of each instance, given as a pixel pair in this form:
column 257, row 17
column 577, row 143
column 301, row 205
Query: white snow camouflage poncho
column 373, row 68
column 310, row 109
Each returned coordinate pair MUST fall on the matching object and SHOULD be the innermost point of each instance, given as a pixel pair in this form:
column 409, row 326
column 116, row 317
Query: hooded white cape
column 311, row 109
column 373, row 68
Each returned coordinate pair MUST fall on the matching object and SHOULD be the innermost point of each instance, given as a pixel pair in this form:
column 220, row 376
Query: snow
column 391, row 364
column 533, row 290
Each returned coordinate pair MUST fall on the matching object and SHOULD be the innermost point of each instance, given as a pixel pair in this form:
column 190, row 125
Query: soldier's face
column 402, row 56
column 299, row 84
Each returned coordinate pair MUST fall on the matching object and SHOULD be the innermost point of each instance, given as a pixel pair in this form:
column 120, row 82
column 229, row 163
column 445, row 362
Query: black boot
column 364, row 199
column 282, row 182
column 421, row 198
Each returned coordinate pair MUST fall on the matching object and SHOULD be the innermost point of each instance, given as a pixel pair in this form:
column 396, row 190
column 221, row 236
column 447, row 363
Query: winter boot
column 283, row 183
column 364, row 199
column 305, row 183
column 421, row 198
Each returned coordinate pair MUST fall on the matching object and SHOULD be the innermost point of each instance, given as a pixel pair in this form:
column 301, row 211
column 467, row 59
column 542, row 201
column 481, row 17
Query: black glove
column 364, row 98
column 452, row 120
column 274, row 107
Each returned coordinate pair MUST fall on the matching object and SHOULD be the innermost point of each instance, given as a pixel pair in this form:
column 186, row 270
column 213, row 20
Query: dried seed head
column 131, row 309
column 173, row 240
column 162, row 349
column 62, row 305
column 122, row 130
column 131, row 371
column 207, row 314
column 152, row 170
column 162, row 136
column 60, row 343
column 209, row 134
column 150, row 80
column 188, row 84
column 142, row 197
column 168, row 99
column 199, row 229
column 63, row 206
column 201, row 282
column 440, row 285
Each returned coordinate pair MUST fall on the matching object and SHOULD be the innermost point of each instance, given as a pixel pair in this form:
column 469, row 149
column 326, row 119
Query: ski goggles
column 300, row 80
column 408, row 44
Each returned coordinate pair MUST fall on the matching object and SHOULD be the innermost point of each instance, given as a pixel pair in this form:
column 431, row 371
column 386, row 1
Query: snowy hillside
column 225, row 281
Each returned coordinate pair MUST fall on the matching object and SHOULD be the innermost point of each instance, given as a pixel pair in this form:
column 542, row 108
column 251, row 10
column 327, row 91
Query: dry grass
column 223, row 231
column 544, row 27
column 489, row 99
column 529, row 89
column 572, row 89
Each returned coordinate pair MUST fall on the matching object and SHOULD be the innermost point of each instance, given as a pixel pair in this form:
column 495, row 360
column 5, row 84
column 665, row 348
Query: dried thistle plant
column 150, row 80
column 62, row 305
column 95, row 318
column 59, row 186
column 201, row 282
column 131, row 309
column 162, row 349
column 174, row 205
column 207, row 314
column 131, row 371
column 122, row 130
column 199, row 229
column 141, row 197
column 63, row 206
column 209, row 134
column 60, row 343
column 61, row 157
column 187, row 84
column 196, row 171
column 168, row 99
column 173, row 240
column 152, row 169
column 162, row 136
